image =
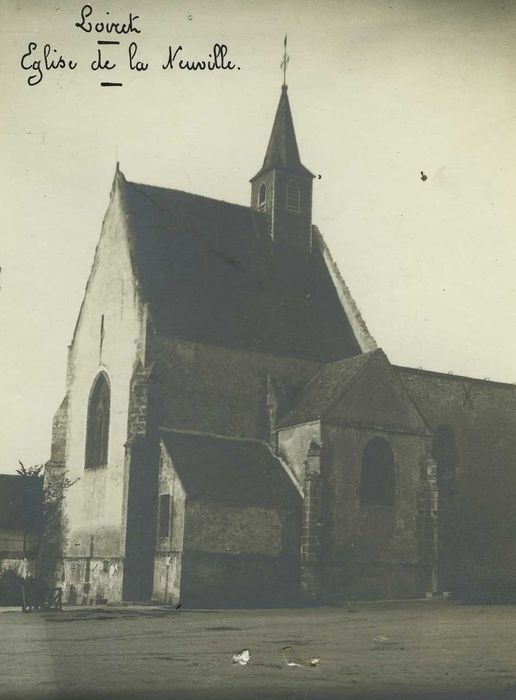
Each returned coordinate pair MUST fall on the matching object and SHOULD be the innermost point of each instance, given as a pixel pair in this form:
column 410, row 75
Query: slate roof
column 282, row 151
column 229, row 470
column 20, row 502
column 443, row 398
column 209, row 272
column 325, row 388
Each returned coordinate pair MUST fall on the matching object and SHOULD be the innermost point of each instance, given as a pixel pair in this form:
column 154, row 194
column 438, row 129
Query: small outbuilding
column 228, row 522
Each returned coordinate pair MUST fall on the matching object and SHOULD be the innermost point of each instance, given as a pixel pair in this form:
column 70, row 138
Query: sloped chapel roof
column 231, row 470
column 325, row 388
column 210, row 272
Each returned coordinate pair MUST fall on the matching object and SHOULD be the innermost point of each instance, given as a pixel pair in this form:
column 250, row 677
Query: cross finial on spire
column 284, row 62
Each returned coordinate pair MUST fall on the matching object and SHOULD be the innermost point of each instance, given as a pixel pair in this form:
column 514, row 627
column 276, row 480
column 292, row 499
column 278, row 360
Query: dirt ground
column 417, row 649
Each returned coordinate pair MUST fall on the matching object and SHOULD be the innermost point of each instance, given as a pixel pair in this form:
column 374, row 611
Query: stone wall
column 221, row 390
column 233, row 530
column 59, row 430
column 90, row 580
column 239, row 555
column 169, row 549
column 109, row 337
column 478, row 533
column 370, row 551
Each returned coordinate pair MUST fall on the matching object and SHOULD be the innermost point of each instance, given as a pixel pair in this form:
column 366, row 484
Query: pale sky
column 379, row 92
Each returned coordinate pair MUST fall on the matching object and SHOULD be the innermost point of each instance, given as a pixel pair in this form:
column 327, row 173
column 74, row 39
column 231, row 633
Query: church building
column 239, row 437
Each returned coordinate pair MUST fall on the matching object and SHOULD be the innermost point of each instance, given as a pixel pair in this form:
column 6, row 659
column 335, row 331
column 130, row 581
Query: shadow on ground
column 506, row 694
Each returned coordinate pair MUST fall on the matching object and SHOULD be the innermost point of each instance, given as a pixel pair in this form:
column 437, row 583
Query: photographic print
column 257, row 302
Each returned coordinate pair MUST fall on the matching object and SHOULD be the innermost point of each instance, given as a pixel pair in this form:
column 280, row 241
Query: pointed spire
column 118, row 179
column 282, row 189
column 282, row 151
column 119, row 175
column 284, row 62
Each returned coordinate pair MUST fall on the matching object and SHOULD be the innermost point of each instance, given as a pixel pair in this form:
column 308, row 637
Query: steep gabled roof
column 324, row 389
column 209, row 272
column 230, row 470
column 282, row 151
column 360, row 391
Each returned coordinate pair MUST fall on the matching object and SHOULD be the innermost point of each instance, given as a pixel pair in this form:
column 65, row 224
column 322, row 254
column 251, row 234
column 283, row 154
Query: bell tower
column 282, row 188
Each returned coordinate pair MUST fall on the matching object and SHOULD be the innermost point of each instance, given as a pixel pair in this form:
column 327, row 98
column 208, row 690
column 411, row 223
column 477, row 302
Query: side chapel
column 240, row 438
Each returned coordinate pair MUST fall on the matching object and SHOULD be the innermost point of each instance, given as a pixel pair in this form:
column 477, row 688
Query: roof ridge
column 352, row 357
column 359, row 327
column 137, row 185
column 218, row 436
column 452, row 375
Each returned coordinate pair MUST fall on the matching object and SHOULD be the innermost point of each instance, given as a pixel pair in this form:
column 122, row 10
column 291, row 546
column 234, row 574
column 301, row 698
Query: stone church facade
column 238, row 436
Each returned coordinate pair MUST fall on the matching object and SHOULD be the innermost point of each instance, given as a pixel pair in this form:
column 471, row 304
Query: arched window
column 293, row 196
column 262, row 197
column 97, row 429
column 377, row 482
column 445, row 455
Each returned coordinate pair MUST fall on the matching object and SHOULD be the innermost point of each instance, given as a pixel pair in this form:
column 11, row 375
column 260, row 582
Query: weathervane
column 284, row 62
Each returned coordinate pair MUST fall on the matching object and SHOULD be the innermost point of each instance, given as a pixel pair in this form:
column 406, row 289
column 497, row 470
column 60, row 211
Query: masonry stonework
column 107, row 338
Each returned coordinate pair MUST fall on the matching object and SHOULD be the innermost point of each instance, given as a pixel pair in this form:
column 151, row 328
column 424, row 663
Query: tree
column 48, row 502
column 30, row 472
column 31, row 506
column 56, row 484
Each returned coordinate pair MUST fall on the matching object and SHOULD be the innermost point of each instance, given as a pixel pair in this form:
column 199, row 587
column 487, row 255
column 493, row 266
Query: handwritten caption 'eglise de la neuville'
column 39, row 60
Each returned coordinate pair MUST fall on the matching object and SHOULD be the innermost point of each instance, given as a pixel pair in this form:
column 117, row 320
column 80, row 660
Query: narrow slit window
column 293, row 196
column 262, row 197
column 164, row 515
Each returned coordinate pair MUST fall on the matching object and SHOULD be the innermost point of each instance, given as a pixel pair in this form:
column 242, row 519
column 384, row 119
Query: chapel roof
column 231, row 470
column 210, row 272
column 448, row 398
column 325, row 387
